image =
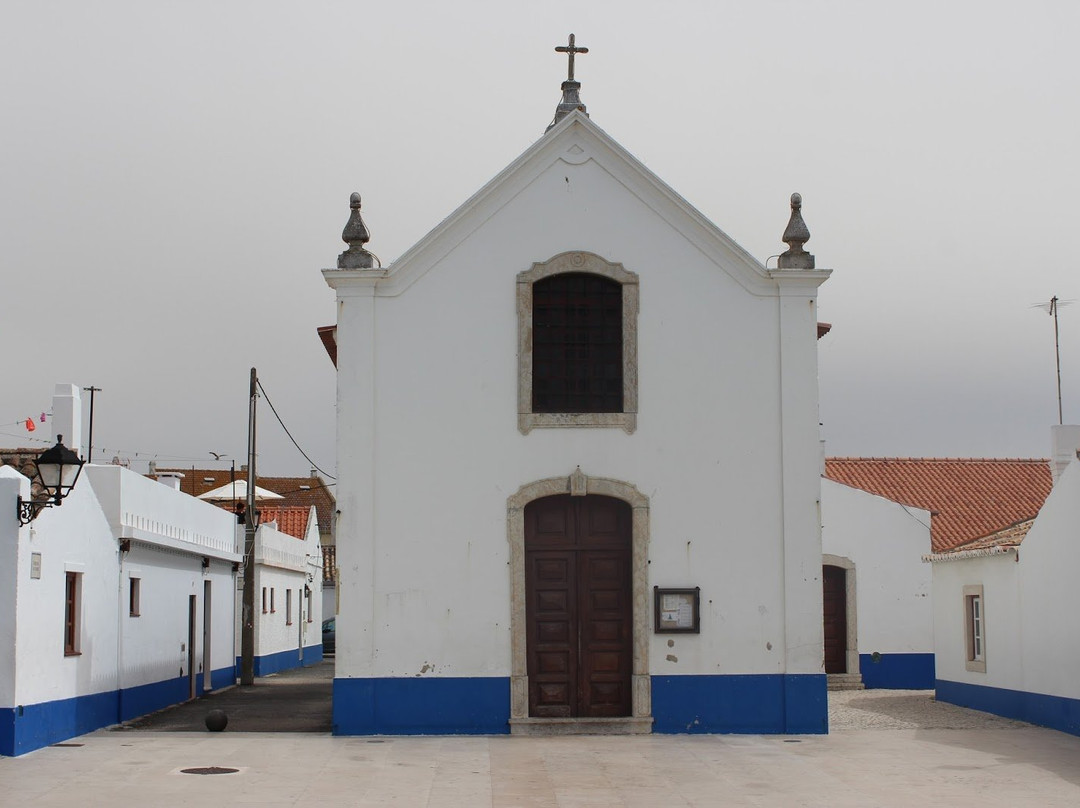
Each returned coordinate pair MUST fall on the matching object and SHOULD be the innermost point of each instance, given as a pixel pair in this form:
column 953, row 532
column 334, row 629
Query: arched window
column 577, row 344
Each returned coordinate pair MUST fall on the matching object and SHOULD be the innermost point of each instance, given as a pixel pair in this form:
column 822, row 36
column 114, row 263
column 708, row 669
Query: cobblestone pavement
column 905, row 709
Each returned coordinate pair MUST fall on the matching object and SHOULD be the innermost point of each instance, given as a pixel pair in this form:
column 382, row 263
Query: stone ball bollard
column 216, row 720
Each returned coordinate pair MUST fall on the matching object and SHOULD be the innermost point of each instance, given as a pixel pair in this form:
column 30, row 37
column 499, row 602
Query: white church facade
column 578, row 464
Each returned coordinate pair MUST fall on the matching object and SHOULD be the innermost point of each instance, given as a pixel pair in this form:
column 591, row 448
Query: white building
column 879, row 622
column 572, row 392
column 1006, row 641
column 118, row 602
column 288, row 592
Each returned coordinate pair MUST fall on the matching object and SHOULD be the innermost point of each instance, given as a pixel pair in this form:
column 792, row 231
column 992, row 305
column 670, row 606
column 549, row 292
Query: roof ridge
column 898, row 458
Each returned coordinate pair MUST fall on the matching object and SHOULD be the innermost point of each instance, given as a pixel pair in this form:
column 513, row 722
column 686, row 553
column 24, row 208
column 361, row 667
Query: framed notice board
column 677, row 611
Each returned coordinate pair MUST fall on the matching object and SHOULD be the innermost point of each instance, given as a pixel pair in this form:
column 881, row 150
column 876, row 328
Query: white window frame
column 974, row 629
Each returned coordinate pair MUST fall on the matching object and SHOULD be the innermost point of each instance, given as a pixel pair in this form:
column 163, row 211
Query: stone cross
column 571, row 49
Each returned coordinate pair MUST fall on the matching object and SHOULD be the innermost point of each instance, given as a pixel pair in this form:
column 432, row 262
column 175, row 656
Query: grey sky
column 176, row 174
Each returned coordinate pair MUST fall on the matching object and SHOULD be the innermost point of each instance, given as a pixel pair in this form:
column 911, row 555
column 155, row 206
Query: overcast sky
column 176, row 174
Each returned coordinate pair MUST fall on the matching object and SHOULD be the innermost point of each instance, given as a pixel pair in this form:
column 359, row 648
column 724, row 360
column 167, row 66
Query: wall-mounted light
column 56, row 471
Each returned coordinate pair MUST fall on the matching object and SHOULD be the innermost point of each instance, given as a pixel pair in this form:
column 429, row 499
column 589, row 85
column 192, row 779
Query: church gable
column 576, row 152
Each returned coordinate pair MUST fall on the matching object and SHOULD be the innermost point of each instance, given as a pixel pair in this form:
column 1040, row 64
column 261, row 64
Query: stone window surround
column 579, row 484
column 852, row 612
column 590, row 263
column 975, row 665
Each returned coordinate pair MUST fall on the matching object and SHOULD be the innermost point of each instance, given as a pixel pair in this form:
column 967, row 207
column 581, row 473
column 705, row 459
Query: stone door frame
column 580, row 484
column 852, row 612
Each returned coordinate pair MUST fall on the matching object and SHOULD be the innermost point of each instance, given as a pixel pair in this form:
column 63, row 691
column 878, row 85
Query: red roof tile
column 297, row 491
column 293, row 521
column 1010, row 536
column 970, row 498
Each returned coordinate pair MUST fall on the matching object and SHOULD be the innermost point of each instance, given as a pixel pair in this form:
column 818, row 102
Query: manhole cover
column 209, row 770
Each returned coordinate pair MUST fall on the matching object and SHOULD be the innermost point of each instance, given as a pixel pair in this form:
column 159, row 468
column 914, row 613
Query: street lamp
column 55, row 471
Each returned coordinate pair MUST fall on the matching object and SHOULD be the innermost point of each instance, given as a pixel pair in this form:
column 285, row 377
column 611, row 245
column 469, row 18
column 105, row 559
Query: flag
column 30, row 427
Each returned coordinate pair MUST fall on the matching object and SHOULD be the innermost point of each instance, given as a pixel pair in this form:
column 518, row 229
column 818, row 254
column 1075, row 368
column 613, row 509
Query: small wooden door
column 834, row 589
column 579, row 612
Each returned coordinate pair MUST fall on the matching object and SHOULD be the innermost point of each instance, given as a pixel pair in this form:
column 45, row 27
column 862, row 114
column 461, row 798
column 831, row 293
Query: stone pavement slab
column 913, row 752
column 935, row 767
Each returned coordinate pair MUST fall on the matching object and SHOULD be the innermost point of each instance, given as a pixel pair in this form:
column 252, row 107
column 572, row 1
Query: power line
column 314, row 465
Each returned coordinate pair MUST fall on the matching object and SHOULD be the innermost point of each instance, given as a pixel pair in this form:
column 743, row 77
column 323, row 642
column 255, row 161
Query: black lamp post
column 56, row 471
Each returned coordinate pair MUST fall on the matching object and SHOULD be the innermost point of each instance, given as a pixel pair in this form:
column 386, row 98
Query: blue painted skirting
column 897, row 671
column 285, row 660
column 32, row 726
column 481, row 706
column 751, row 703
column 1056, row 712
column 418, row 706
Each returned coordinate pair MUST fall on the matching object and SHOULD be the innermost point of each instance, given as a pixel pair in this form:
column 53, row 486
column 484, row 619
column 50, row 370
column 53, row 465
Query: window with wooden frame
column 307, row 598
column 577, row 344
column 134, row 593
column 72, row 613
column 264, row 600
column 272, row 608
column 974, row 629
column 288, row 607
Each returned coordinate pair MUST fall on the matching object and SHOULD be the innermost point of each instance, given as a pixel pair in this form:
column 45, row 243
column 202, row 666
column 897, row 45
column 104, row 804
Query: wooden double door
column 579, row 611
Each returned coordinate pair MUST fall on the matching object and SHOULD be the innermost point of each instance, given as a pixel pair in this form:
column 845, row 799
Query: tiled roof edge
column 960, row 555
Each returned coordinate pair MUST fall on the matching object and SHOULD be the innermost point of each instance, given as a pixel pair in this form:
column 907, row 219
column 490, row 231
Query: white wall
column 285, row 564
column 886, row 542
column 1031, row 642
column 422, row 532
column 170, row 534
column 1001, row 620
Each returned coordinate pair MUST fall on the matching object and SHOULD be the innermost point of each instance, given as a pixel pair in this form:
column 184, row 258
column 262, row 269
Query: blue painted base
column 285, row 660
column 433, row 706
column 758, row 704
column 32, row 726
column 481, row 706
column 897, row 671
column 1056, row 712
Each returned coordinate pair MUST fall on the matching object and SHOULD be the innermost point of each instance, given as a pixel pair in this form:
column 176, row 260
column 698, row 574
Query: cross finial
column 570, row 49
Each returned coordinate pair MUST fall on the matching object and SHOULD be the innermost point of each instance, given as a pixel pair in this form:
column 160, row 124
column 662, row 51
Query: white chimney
column 1064, row 445
column 67, row 416
column 171, row 479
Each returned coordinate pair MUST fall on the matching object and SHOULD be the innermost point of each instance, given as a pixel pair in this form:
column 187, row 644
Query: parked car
column 328, row 627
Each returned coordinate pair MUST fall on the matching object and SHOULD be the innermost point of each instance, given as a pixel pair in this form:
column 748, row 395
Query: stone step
column 845, row 681
column 580, row 726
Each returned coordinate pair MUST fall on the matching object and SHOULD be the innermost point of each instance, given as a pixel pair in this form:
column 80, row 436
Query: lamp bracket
column 30, row 508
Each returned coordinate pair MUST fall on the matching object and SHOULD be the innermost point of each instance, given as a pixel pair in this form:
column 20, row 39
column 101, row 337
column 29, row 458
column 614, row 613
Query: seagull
column 218, row 456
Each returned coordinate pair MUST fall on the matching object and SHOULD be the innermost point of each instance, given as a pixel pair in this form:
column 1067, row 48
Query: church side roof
column 576, row 140
column 969, row 498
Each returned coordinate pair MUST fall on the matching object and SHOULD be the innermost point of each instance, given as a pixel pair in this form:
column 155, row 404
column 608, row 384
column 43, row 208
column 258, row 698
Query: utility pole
column 1054, row 302
column 90, row 440
column 247, row 628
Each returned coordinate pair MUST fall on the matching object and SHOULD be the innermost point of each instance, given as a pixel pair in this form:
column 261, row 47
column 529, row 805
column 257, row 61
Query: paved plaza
column 887, row 748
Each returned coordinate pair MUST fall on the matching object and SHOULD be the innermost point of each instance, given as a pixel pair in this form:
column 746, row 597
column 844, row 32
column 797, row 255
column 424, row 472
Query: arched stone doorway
column 635, row 507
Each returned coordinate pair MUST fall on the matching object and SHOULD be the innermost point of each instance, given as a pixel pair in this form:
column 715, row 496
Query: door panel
column 578, row 606
column 834, row 603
